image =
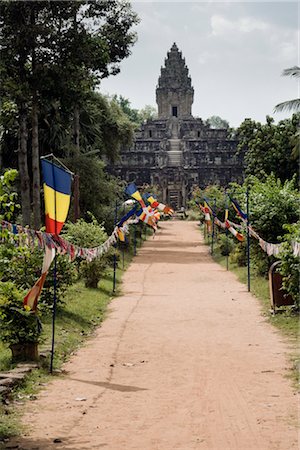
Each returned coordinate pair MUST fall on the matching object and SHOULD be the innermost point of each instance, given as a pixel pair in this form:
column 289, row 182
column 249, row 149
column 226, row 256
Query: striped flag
column 57, row 195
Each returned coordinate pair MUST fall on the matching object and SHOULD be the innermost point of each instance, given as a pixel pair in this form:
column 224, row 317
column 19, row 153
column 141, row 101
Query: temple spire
column 174, row 93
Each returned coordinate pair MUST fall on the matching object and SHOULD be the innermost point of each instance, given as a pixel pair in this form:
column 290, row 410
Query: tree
column 290, row 105
column 55, row 53
column 137, row 117
column 269, row 147
column 216, row 122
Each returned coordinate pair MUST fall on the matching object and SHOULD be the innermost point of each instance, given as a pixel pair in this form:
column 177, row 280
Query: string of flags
column 268, row 247
column 57, row 192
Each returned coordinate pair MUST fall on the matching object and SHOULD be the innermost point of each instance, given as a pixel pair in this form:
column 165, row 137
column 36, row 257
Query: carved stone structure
column 177, row 151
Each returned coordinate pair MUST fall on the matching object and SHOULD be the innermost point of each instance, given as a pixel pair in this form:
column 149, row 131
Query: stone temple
column 177, row 151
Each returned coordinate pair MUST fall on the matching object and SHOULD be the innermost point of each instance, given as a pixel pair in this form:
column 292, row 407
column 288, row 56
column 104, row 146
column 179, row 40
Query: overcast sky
column 235, row 52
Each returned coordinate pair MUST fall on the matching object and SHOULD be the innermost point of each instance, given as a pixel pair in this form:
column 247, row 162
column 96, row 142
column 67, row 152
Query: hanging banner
column 57, row 195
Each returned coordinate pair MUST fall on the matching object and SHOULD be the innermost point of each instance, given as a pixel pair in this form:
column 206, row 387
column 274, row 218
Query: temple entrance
column 174, row 111
column 174, row 198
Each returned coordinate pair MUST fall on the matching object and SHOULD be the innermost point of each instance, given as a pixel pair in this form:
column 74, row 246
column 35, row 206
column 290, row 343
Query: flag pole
column 226, row 232
column 54, row 283
column 115, row 253
column 248, row 239
column 134, row 240
column 213, row 228
column 123, row 246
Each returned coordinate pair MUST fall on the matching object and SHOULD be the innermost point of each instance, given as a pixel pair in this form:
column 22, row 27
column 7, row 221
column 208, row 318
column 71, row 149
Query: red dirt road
column 184, row 361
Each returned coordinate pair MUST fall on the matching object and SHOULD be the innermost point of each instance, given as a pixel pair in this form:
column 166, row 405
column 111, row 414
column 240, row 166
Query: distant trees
column 269, row 147
column 52, row 55
column 136, row 116
column 216, row 122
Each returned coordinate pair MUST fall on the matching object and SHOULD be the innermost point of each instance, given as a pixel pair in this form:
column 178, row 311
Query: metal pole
column 53, row 313
column 226, row 233
column 248, row 239
column 213, row 229
column 54, row 283
column 76, row 198
column 134, row 239
column 115, row 254
column 123, row 246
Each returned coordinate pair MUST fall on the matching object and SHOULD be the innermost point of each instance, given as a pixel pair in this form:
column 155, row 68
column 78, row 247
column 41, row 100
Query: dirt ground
column 185, row 360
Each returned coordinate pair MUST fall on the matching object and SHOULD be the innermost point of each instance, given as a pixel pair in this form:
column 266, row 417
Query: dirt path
column 184, row 361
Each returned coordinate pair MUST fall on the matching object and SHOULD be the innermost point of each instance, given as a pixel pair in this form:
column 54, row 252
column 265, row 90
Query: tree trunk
column 76, row 129
column 23, row 168
column 36, row 183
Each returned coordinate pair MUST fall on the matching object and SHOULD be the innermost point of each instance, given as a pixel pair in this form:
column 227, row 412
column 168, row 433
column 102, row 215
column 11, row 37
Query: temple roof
column 175, row 74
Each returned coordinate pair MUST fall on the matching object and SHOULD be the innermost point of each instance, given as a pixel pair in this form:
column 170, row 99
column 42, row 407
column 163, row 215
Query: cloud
column 221, row 26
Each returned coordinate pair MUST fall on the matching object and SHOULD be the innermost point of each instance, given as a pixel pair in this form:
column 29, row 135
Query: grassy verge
column 286, row 320
column 83, row 310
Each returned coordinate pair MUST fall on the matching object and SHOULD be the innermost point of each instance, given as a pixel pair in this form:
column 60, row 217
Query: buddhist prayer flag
column 238, row 209
column 133, row 192
column 233, row 231
column 57, row 195
column 31, row 299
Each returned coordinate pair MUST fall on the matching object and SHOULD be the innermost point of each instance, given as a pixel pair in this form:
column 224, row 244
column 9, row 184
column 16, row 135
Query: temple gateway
column 177, row 151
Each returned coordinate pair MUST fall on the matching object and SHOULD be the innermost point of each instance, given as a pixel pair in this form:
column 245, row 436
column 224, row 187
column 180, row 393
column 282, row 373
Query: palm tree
column 290, row 105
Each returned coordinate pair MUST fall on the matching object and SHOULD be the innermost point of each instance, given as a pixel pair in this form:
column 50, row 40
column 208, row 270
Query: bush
column 290, row 267
column 239, row 254
column 226, row 244
column 89, row 234
column 17, row 324
column 22, row 265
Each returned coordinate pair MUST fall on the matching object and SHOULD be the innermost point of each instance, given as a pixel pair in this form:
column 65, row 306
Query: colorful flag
column 238, row 209
column 147, row 215
column 233, row 231
column 133, row 191
column 207, row 218
column 160, row 206
column 57, row 195
column 31, row 299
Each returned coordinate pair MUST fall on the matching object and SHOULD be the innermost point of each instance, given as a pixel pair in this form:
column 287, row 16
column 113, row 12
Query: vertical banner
column 57, row 196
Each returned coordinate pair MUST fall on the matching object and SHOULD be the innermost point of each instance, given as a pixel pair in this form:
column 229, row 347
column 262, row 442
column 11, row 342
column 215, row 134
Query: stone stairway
column 174, row 199
column 174, row 154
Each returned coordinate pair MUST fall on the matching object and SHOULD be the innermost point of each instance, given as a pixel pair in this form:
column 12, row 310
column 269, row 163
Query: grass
column 286, row 320
column 83, row 310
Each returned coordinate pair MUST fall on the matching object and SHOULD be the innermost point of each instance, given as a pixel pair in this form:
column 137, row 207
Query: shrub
column 89, row 234
column 17, row 324
column 226, row 244
column 239, row 254
column 22, row 265
column 290, row 267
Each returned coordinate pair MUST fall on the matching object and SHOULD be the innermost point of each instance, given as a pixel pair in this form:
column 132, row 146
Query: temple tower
column 174, row 93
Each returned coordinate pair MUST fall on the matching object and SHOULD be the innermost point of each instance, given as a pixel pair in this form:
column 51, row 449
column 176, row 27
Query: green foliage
column 239, row 254
column 89, row 235
column 226, row 244
column 216, row 122
column 17, row 324
column 269, row 147
column 290, row 267
column 137, row 117
column 22, row 265
column 8, row 197
column 98, row 190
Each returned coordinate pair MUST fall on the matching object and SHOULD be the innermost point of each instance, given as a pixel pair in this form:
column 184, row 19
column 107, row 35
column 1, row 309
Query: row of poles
column 226, row 232
column 114, row 273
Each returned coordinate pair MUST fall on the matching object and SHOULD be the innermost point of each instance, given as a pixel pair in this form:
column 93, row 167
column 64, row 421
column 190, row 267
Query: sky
column 235, row 52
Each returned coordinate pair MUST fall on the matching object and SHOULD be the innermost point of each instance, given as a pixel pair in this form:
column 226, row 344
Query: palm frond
column 290, row 105
column 292, row 71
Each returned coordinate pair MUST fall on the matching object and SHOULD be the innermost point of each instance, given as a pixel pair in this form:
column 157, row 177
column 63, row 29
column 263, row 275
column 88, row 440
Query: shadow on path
column 111, row 386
